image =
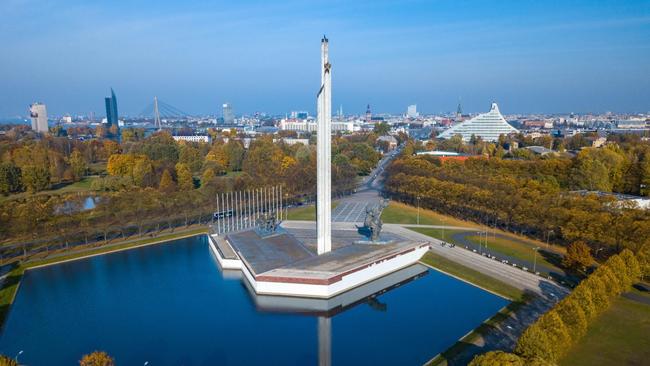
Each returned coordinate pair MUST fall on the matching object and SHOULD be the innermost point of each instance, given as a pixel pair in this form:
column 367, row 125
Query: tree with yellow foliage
column 167, row 184
column 184, row 176
column 97, row 358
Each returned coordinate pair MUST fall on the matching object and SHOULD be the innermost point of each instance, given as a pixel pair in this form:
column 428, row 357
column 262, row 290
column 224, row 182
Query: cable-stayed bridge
column 159, row 110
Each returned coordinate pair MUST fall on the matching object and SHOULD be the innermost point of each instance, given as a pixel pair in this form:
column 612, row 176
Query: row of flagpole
column 240, row 210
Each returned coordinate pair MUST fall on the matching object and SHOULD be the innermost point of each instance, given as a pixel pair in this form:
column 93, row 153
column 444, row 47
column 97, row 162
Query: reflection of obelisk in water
column 324, row 341
column 324, row 173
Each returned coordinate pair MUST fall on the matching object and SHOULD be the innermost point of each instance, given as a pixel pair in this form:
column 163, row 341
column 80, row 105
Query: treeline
column 622, row 165
column 156, row 183
column 531, row 197
column 32, row 165
column 547, row 340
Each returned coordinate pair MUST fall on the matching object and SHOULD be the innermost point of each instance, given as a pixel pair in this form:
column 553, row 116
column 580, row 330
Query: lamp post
column 18, row 354
column 535, row 260
column 443, row 228
column 548, row 234
column 480, row 241
column 486, row 235
column 418, row 210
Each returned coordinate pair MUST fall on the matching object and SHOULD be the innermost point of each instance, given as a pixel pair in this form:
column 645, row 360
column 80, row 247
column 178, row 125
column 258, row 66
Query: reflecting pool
column 170, row 304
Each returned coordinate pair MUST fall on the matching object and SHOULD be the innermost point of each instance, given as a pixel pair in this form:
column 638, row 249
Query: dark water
column 170, row 305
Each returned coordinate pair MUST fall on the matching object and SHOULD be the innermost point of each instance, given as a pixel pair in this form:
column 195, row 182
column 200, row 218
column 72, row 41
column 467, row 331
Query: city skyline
column 528, row 57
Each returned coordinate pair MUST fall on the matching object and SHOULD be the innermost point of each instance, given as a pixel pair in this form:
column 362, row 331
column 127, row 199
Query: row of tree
column 522, row 196
column 157, row 183
column 622, row 165
column 549, row 338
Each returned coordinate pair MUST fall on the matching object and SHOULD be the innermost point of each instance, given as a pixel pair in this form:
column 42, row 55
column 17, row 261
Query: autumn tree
column 167, row 184
column 35, row 178
column 10, row 178
column 219, row 156
column 573, row 317
column 184, row 176
column 497, row 358
column 77, row 164
column 381, row 128
column 190, row 156
column 578, row 256
column 7, row 361
column 97, row 358
column 207, row 177
column 235, row 154
column 548, row 338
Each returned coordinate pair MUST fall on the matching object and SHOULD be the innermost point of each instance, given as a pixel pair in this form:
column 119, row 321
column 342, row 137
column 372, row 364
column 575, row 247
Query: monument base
column 283, row 265
column 378, row 242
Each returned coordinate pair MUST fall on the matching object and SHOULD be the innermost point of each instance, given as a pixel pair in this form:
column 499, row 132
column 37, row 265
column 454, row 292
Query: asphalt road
column 353, row 207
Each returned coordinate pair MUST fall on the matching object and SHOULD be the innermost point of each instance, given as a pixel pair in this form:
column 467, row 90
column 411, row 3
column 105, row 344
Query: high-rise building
column 38, row 114
column 487, row 126
column 111, row 109
column 412, row 111
column 228, row 115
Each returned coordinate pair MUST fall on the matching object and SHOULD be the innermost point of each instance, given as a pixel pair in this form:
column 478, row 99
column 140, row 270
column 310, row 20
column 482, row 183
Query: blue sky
column 530, row 56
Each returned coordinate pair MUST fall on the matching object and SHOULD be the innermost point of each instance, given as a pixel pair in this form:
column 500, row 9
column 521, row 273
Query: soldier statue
column 372, row 224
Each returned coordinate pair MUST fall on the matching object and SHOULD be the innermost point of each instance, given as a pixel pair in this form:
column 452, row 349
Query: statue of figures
column 267, row 224
column 372, row 224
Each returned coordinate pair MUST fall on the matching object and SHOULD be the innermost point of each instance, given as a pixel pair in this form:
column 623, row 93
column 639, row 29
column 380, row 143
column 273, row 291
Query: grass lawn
column 400, row 213
column 472, row 276
column 514, row 247
column 620, row 336
column 511, row 246
column 305, row 213
column 436, row 233
column 11, row 283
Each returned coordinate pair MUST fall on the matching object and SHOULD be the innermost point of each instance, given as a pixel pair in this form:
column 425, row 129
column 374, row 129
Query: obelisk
column 324, row 172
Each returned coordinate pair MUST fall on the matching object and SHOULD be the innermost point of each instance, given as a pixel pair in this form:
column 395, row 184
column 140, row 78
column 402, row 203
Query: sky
column 264, row 56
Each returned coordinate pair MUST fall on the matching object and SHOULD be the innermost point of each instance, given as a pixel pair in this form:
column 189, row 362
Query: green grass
column 618, row 337
column 472, row 276
column 513, row 247
column 305, row 213
column 8, row 291
column 436, row 233
column 11, row 283
column 400, row 213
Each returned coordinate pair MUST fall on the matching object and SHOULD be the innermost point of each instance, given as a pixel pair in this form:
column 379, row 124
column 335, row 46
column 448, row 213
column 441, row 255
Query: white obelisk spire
column 324, row 172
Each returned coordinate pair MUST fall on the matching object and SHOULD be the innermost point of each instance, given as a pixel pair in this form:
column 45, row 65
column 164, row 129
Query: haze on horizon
column 529, row 56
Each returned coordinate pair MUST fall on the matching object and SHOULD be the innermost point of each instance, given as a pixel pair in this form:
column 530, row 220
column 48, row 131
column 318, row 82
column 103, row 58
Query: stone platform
column 287, row 264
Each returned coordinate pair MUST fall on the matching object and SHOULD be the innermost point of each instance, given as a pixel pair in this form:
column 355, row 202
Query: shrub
column 546, row 339
column 583, row 297
column 599, row 294
column 7, row 361
column 497, row 358
column 97, row 358
column 631, row 264
column 617, row 265
column 573, row 317
column 612, row 282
